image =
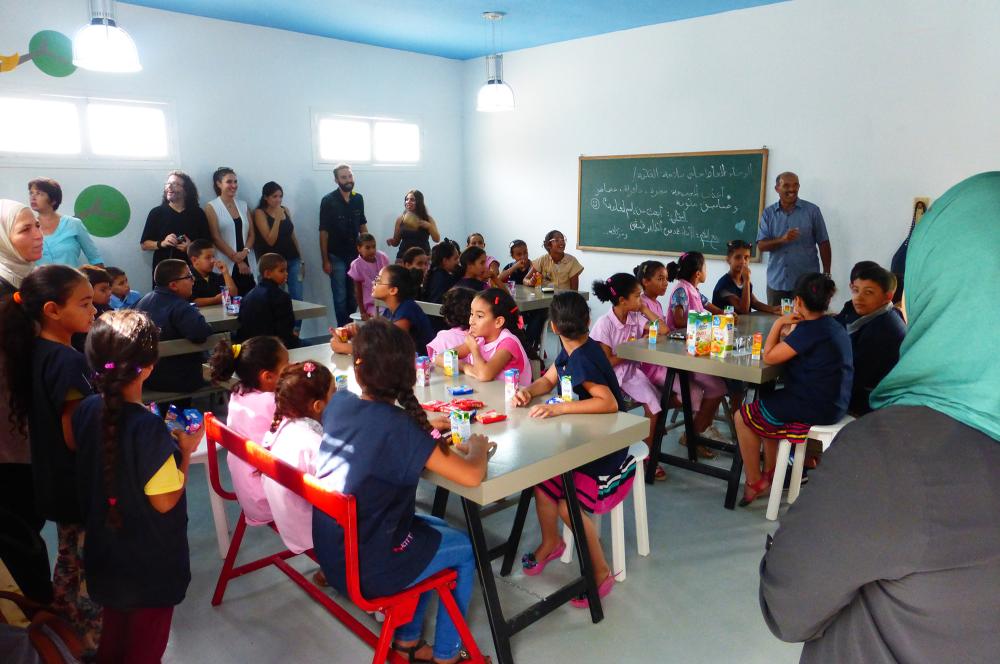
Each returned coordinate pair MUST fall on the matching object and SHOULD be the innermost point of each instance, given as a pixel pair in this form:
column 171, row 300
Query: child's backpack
column 48, row 639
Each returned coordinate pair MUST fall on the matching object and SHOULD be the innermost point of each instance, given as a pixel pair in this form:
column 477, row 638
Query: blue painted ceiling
column 450, row 28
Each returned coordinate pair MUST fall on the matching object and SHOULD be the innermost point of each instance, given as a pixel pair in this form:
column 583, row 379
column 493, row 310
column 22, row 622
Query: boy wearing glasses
column 734, row 288
column 169, row 307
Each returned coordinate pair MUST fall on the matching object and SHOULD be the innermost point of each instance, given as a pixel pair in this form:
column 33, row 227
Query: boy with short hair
column 100, row 281
column 122, row 296
column 876, row 329
column 267, row 309
column 169, row 308
column 207, row 287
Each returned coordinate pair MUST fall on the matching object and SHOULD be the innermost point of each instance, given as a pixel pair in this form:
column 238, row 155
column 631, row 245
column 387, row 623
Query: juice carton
column 758, row 342
column 654, row 332
column 511, row 380
column 692, row 327
column 699, row 340
column 450, row 363
column 723, row 333
column 566, row 388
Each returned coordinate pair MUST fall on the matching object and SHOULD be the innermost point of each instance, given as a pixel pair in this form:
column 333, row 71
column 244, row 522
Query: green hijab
column 948, row 360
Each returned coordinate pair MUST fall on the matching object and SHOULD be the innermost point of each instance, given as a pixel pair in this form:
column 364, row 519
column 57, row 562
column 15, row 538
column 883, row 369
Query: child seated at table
column 493, row 343
column 472, row 266
column 267, row 309
column 455, row 310
column 519, row 267
column 301, row 394
column 627, row 320
column 707, row 391
column 734, row 288
column 876, row 330
column 363, row 271
column 847, row 313
column 257, row 363
column 170, row 309
column 208, row 283
column 492, row 264
column 415, row 258
column 600, row 484
column 375, row 451
column 122, row 296
column 557, row 268
column 817, row 375
column 653, row 279
column 443, row 272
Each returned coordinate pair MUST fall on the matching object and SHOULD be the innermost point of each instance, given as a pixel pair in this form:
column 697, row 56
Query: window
column 365, row 141
column 85, row 131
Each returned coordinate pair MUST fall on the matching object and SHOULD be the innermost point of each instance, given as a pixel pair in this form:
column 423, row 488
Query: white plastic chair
column 824, row 433
column 639, row 451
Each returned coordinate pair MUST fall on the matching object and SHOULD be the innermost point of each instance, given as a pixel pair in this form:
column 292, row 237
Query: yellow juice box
column 723, row 335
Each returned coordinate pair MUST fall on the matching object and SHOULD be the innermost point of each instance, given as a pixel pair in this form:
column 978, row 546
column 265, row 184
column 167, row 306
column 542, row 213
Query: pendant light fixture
column 495, row 95
column 102, row 45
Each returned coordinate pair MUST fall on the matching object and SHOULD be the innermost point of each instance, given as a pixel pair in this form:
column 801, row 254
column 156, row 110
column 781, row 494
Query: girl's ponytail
column 501, row 303
column 618, row 287
column 245, row 360
column 299, row 384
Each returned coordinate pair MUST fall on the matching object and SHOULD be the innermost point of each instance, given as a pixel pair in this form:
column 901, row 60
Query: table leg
column 440, row 505
column 692, row 436
column 514, row 541
column 582, row 549
column 494, row 612
column 218, row 516
column 735, row 471
column 661, row 425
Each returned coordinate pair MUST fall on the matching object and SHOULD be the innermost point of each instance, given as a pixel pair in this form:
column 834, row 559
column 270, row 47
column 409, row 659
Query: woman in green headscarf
column 892, row 554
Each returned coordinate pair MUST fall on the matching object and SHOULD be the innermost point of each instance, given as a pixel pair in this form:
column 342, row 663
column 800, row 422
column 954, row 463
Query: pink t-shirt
column 250, row 415
column 519, row 358
column 687, row 296
column 653, row 304
column 296, row 442
column 445, row 340
column 365, row 272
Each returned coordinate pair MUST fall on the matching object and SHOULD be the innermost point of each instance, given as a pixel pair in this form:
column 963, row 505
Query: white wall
column 242, row 96
column 871, row 103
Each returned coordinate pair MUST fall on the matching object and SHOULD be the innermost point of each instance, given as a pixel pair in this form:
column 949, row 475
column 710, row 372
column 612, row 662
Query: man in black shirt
column 341, row 220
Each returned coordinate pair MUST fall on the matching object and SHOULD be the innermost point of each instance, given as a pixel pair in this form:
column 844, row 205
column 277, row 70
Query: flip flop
column 534, row 567
column 411, row 651
column 603, row 590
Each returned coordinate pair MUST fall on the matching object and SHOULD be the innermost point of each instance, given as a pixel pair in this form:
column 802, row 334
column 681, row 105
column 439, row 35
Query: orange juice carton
column 723, row 335
column 699, row 335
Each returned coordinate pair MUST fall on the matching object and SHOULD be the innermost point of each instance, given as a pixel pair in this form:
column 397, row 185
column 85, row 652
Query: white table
column 220, row 321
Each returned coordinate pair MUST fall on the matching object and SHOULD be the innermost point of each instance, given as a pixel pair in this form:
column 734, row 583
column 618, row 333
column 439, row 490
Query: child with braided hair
column 375, row 450
column 131, row 473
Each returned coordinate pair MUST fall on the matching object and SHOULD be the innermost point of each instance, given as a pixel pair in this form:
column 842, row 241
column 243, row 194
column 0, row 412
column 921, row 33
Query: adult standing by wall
column 415, row 227
column 21, row 548
column 275, row 232
column 231, row 227
column 890, row 555
column 791, row 230
column 65, row 236
column 341, row 220
column 175, row 222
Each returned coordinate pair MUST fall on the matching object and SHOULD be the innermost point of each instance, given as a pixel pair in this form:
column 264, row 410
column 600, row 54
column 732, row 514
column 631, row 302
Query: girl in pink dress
column 652, row 277
column 257, row 363
column 456, row 306
column 300, row 396
column 628, row 320
column 363, row 271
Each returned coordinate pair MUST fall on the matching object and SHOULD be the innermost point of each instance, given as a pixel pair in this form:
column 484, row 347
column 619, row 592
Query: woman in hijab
column 21, row 548
column 892, row 554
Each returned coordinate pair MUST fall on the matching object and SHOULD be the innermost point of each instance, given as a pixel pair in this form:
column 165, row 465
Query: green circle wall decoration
column 52, row 52
column 103, row 209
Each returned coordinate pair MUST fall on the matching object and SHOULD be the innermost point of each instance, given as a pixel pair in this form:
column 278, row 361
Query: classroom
column 879, row 115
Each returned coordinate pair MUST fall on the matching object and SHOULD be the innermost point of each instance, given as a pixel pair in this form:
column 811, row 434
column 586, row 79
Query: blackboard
column 671, row 203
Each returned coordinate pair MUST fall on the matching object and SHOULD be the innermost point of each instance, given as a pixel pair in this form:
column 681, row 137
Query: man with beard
column 341, row 220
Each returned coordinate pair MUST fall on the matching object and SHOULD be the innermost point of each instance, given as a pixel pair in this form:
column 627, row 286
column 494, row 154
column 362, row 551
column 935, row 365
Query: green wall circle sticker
column 103, row 210
column 52, row 52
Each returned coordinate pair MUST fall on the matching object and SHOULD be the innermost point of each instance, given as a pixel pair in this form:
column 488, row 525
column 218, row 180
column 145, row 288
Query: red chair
column 398, row 609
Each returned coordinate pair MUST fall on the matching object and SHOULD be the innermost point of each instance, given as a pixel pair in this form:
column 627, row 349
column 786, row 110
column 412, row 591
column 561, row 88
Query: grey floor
column 693, row 599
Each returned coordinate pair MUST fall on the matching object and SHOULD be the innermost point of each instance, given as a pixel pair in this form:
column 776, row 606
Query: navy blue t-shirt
column 438, row 283
column 588, row 363
column 725, row 287
column 818, row 379
column 875, row 348
column 420, row 325
column 145, row 563
column 58, row 372
column 374, row 451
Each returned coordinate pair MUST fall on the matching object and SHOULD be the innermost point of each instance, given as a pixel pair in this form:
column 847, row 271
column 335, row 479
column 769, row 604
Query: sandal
column 464, row 656
column 703, row 452
column 411, row 651
column 752, row 492
column 534, row 567
column 659, row 474
column 603, row 590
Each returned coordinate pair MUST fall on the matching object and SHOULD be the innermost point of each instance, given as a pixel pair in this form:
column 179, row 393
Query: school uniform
column 438, row 283
column 250, row 415
column 471, row 284
column 177, row 319
column 509, row 342
column 421, row 330
column 127, row 302
column 296, row 442
column 209, row 285
column 267, row 310
column 602, row 483
column 875, row 346
column 363, row 272
column 727, row 287
column 446, row 340
column 639, row 380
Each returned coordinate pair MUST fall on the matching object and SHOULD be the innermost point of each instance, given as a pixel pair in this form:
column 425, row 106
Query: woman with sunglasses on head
column 734, row 288
column 176, row 222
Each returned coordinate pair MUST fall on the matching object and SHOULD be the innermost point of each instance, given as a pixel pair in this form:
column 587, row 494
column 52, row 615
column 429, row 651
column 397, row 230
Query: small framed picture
column 920, row 206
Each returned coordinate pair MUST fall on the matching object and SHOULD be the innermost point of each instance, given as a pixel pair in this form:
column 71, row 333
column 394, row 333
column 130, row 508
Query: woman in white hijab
column 21, row 547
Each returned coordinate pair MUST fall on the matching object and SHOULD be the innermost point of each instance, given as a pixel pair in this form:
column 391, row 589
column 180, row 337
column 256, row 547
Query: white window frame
column 321, row 164
column 86, row 158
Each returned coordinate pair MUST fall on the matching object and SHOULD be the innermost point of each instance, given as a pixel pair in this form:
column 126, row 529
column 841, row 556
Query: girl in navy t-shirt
column 131, row 474
column 600, row 484
column 818, row 373
column 375, row 450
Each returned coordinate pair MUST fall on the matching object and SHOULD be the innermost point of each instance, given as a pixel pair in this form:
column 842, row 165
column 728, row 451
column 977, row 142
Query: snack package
column 553, row 400
column 699, row 336
column 723, row 335
column 189, row 420
column 456, row 390
column 433, row 406
column 490, row 416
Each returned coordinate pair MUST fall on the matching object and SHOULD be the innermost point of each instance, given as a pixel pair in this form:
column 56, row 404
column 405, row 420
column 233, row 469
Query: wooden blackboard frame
column 755, row 255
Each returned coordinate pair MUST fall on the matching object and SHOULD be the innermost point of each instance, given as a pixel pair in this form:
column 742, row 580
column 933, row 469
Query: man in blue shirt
column 341, row 220
column 791, row 230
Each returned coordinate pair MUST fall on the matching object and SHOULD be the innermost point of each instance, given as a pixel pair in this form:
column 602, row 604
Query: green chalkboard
column 671, row 203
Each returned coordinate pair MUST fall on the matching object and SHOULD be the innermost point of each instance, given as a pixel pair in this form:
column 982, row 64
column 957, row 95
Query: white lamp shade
column 107, row 48
column 495, row 97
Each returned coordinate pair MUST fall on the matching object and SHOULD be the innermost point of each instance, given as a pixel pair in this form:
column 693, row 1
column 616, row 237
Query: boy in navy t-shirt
column 267, row 309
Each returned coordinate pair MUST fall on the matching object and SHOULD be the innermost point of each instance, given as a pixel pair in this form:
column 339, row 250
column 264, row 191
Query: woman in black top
column 176, row 222
column 415, row 227
column 276, row 234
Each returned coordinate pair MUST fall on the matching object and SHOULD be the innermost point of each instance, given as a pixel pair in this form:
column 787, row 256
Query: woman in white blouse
column 231, row 227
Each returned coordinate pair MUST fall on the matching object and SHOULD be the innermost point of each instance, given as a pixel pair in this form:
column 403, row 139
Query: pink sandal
column 534, row 567
column 603, row 590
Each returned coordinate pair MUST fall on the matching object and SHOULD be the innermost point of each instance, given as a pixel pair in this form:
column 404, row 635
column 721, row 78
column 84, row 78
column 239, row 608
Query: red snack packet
column 490, row 416
column 435, row 406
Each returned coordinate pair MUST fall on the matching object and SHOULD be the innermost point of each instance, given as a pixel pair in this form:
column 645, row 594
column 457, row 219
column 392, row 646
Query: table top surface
column 529, row 451
column 673, row 353
column 526, row 297
column 217, row 317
